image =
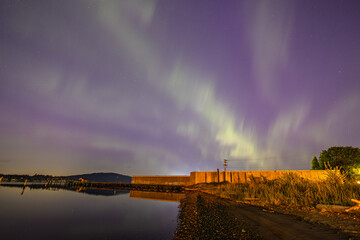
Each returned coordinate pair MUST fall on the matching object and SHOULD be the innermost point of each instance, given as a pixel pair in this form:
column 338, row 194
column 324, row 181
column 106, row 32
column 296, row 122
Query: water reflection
column 96, row 214
column 104, row 192
column 158, row 196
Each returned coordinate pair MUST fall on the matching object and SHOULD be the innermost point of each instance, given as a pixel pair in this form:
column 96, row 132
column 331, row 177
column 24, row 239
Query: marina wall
column 229, row 176
column 161, row 180
column 248, row 176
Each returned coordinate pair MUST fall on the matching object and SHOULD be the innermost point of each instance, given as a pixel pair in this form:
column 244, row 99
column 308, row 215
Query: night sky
column 169, row 87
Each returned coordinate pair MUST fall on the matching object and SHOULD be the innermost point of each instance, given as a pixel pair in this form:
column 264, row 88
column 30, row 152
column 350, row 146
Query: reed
column 291, row 189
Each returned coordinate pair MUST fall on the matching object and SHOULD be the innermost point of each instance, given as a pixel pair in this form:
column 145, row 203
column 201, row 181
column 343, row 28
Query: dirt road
column 205, row 216
column 278, row 226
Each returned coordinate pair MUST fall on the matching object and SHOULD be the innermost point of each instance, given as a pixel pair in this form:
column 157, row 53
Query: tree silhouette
column 315, row 164
column 345, row 157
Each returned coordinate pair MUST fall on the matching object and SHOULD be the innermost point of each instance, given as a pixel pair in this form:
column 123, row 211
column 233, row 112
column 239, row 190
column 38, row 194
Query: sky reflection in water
column 41, row 214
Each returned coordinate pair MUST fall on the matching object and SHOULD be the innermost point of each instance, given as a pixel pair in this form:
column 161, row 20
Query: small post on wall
column 225, row 165
column 218, row 175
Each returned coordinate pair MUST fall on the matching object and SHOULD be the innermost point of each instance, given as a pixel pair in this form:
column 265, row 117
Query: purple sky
column 169, row 87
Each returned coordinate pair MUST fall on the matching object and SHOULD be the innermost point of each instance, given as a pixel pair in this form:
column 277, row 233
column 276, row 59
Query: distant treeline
column 91, row 177
column 23, row 177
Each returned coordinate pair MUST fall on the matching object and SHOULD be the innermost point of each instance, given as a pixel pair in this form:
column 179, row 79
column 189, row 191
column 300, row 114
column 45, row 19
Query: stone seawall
column 161, row 180
column 230, row 176
column 246, row 176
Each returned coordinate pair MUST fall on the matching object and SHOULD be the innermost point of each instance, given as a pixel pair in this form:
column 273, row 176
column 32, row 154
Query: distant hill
column 103, row 177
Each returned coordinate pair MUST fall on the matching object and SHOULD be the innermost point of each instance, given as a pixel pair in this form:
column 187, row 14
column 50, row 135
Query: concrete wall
column 230, row 176
column 245, row 176
column 161, row 180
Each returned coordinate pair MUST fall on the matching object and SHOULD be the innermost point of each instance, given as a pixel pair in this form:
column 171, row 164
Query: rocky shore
column 207, row 216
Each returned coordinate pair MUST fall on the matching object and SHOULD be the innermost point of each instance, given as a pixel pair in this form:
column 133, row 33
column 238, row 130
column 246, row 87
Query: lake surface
column 93, row 214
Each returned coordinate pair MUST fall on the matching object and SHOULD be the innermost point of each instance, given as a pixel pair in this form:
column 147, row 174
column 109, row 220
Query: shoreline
column 263, row 221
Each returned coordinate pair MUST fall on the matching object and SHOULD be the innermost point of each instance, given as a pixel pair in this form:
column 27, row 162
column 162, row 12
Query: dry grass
column 294, row 190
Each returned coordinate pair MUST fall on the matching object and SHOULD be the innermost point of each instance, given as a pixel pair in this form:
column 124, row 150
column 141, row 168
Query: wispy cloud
column 283, row 130
column 190, row 90
column 338, row 126
column 270, row 34
column 5, row 160
column 110, row 91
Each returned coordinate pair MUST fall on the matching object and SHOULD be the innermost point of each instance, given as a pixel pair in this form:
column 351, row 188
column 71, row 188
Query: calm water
column 63, row 214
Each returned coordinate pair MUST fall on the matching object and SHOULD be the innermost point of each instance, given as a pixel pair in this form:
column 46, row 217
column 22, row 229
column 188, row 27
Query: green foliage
column 345, row 157
column 354, row 172
column 315, row 164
